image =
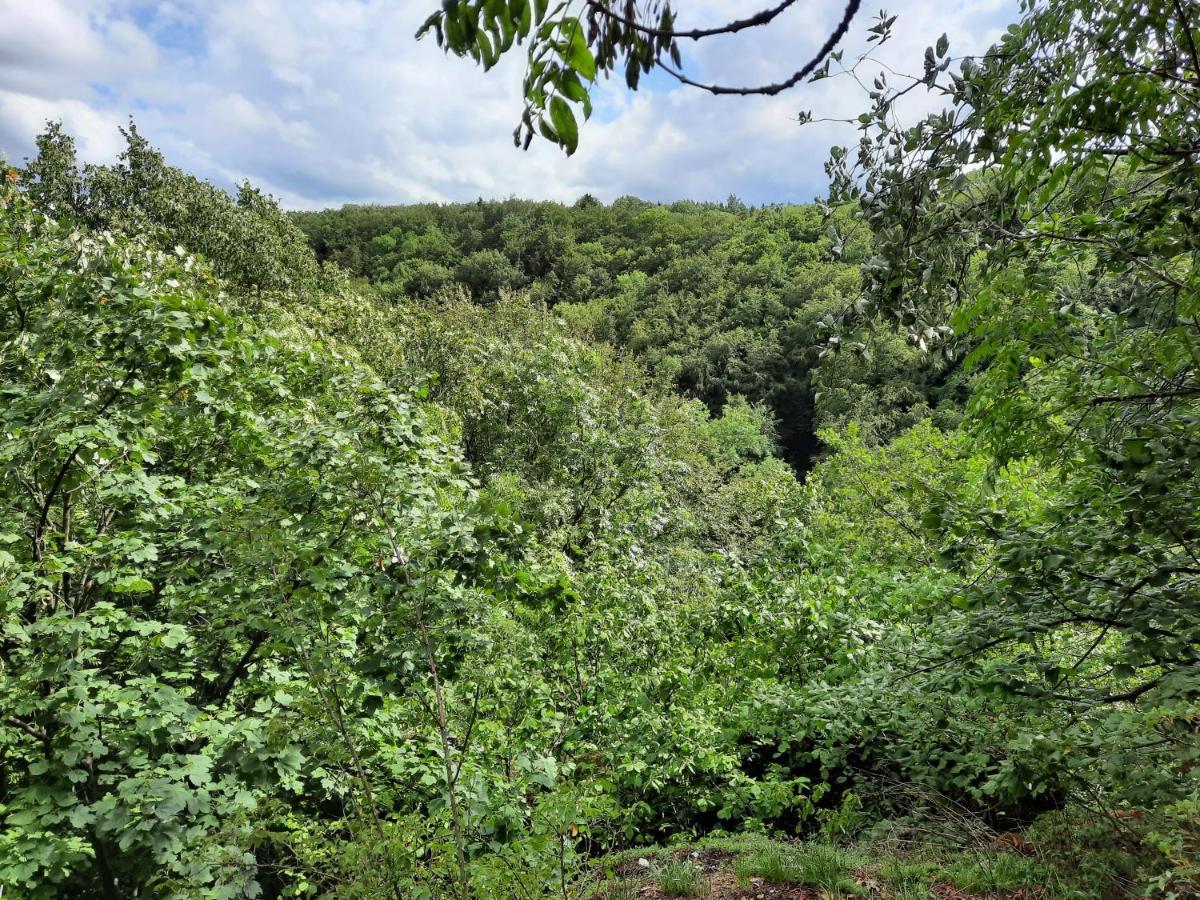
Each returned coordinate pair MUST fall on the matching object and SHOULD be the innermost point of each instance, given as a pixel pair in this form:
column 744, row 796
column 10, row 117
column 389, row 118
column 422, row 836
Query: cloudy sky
column 323, row 102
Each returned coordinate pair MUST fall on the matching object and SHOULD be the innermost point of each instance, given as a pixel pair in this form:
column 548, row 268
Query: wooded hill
column 715, row 301
column 475, row 571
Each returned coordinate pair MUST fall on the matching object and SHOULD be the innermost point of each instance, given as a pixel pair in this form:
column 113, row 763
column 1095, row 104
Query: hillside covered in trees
column 515, row 549
column 715, row 301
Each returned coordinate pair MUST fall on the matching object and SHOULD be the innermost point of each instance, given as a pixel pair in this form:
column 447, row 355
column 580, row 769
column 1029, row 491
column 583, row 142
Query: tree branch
column 1153, row 395
column 754, row 21
column 770, row 90
column 1186, row 27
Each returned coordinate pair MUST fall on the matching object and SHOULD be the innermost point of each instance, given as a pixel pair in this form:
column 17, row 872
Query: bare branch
column 770, row 90
column 754, row 21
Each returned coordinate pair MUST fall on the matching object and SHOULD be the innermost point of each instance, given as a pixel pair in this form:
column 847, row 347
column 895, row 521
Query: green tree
column 1044, row 226
column 177, row 554
column 247, row 239
column 487, row 274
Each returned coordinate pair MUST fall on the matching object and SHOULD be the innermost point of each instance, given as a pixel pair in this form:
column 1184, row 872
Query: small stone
column 643, row 862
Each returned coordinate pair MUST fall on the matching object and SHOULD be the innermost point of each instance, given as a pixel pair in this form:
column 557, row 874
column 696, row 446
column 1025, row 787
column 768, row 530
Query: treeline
column 718, row 301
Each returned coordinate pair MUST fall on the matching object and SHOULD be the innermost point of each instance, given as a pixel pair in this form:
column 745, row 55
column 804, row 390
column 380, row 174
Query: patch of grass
column 814, row 865
column 681, row 878
column 908, row 878
column 825, row 866
column 771, row 862
column 616, row 859
column 617, row 889
column 992, row 873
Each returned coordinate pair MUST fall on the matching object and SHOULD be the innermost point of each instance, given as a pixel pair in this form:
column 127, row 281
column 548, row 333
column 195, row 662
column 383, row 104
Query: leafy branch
column 569, row 50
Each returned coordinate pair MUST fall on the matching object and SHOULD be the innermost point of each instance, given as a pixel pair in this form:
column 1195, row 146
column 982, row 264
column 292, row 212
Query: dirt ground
column 717, row 866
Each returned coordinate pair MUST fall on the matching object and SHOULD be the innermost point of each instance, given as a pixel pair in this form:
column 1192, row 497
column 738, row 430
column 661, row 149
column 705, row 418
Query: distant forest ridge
column 715, row 300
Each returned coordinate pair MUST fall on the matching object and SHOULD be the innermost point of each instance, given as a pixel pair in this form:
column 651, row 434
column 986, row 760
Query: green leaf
column 572, row 87
column 131, row 584
column 579, row 56
column 547, row 131
column 564, row 124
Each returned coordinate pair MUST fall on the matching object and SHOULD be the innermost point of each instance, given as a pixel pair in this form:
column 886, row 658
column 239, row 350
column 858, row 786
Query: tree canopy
column 717, row 300
column 460, row 551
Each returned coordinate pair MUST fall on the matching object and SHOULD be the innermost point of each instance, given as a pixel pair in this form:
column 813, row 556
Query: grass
column 832, row 869
column 617, row 889
column 681, row 878
column 909, row 879
column 652, row 854
column 772, row 863
column 825, row 866
column 983, row 874
column 813, row 865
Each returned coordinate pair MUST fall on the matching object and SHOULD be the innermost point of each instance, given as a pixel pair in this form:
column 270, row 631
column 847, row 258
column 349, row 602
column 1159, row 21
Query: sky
column 325, row 102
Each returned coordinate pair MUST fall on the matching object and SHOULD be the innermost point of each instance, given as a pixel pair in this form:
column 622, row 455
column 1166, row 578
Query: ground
column 718, row 875
column 756, row 868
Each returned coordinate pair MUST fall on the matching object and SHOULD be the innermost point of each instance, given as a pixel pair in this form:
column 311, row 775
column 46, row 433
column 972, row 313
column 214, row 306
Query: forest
column 518, row 549
column 714, row 301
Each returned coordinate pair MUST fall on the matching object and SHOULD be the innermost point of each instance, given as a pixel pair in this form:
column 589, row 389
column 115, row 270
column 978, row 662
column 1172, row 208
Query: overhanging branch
column 754, row 21
column 771, row 90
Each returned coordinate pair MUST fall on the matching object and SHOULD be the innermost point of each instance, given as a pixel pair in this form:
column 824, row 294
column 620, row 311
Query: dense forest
column 516, row 549
column 717, row 301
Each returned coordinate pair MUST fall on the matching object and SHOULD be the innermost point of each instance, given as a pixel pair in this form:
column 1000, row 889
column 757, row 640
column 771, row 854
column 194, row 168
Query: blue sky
column 323, row 102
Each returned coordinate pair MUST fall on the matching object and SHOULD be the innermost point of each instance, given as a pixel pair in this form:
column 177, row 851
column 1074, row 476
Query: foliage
column 247, row 238
column 719, row 301
column 164, row 674
column 566, row 53
column 316, row 587
column 266, row 631
column 1046, row 216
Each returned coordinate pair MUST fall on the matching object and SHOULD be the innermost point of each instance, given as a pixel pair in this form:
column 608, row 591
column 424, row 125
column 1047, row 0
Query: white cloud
column 23, row 116
column 326, row 101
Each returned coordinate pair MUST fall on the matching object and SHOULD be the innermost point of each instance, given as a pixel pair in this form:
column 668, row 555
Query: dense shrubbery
column 313, row 587
column 244, row 576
